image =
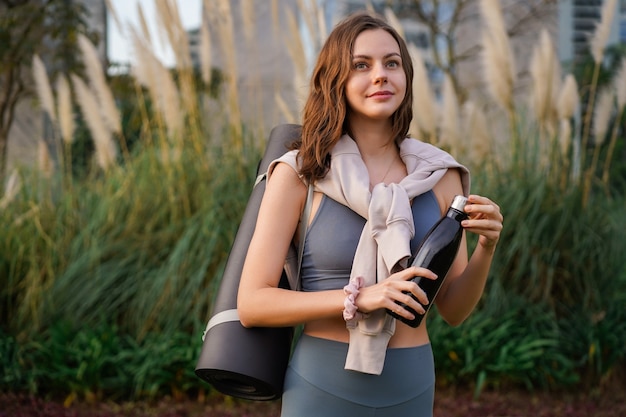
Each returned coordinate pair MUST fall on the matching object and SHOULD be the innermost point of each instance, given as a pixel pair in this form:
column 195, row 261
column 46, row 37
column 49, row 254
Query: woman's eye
column 360, row 66
column 393, row 64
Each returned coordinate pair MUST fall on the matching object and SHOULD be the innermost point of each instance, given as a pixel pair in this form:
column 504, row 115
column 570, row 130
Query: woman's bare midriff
column 335, row 329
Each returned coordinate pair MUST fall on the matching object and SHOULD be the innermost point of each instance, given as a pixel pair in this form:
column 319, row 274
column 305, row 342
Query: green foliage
column 107, row 283
column 24, row 25
column 583, row 70
column 12, row 372
column 99, row 362
column 552, row 314
column 520, row 345
column 551, row 241
column 595, row 339
column 48, row 28
column 107, row 291
column 142, row 246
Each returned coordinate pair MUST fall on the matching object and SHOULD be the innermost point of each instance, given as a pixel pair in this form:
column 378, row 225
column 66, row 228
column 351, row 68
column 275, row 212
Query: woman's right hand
column 397, row 288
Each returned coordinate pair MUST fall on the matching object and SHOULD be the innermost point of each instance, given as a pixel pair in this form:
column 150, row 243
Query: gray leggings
column 317, row 384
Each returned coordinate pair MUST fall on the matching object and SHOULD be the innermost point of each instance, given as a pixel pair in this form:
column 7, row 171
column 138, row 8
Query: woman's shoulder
column 425, row 150
column 282, row 171
column 426, row 155
column 287, row 160
column 447, row 187
column 285, row 192
column 283, row 177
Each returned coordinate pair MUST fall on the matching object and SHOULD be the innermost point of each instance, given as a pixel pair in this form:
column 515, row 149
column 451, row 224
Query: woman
column 377, row 193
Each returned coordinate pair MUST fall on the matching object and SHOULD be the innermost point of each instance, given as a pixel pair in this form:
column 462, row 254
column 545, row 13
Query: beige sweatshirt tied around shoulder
column 384, row 245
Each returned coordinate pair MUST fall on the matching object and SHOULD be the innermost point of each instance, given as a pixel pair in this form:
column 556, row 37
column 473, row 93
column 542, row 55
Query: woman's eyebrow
column 363, row 56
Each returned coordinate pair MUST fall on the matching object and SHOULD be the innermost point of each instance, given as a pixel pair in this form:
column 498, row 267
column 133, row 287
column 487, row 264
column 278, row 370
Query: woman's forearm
column 277, row 307
column 464, row 291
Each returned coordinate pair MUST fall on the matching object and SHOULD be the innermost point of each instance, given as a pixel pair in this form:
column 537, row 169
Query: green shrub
column 519, row 346
column 99, row 362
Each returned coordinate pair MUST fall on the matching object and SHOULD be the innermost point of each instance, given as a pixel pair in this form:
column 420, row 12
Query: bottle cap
column 459, row 202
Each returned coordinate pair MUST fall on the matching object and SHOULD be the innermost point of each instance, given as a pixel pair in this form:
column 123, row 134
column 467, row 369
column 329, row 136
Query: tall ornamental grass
column 142, row 246
column 552, row 314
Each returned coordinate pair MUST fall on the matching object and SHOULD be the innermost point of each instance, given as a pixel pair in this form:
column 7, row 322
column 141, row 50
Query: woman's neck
column 380, row 155
column 373, row 138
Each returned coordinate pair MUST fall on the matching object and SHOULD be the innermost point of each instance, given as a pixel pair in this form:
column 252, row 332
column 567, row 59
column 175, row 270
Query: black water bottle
column 436, row 252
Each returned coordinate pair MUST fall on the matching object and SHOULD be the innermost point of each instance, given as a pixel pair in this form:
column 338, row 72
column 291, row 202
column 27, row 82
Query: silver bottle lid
column 459, row 202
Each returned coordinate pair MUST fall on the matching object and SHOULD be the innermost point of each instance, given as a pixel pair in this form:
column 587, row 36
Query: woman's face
column 377, row 82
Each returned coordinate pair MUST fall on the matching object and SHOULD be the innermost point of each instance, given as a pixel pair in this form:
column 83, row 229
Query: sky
column 119, row 42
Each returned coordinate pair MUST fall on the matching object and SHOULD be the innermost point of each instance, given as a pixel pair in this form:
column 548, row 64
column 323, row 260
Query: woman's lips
column 381, row 94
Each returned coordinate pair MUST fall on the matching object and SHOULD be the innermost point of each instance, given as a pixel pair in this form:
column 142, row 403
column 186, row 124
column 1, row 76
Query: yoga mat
column 241, row 362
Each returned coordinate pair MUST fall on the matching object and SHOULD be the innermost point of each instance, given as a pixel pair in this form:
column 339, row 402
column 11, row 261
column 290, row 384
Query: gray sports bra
column 334, row 233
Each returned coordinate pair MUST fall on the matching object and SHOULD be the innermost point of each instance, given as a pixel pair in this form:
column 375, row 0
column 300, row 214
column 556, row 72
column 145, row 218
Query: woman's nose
column 380, row 74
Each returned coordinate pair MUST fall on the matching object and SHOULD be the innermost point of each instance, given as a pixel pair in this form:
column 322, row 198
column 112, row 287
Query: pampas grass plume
column 477, row 130
column 42, row 84
column 294, row 43
column 544, row 69
column 497, row 55
column 620, row 85
column 603, row 30
column 248, row 19
column 205, row 52
column 161, row 34
column 172, row 34
column 602, row 115
column 224, row 22
column 114, row 15
column 308, row 12
column 393, row 20
column 499, row 83
column 142, row 66
column 565, row 136
column 152, row 74
column 295, row 48
column 10, row 190
column 44, row 163
column 423, row 102
column 493, row 18
column 106, row 151
column 284, row 108
column 99, row 85
column 171, row 24
column 275, row 18
column 321, row 24
column 567, row 106
column 64, row 107
column 169, row 101
column 450, row 129
column 568, row 100
column 137, row 68
column 144, row 25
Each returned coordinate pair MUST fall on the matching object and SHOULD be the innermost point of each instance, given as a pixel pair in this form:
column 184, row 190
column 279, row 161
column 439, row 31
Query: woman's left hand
column 485, row 220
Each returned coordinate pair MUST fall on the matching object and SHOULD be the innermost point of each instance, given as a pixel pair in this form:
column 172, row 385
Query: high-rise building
column 578, row 20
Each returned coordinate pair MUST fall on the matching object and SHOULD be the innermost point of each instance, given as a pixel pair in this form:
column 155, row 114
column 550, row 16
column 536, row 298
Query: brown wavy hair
column 324, row 115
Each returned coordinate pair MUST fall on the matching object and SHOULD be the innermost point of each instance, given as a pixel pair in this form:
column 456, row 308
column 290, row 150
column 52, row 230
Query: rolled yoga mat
column 248, row 363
